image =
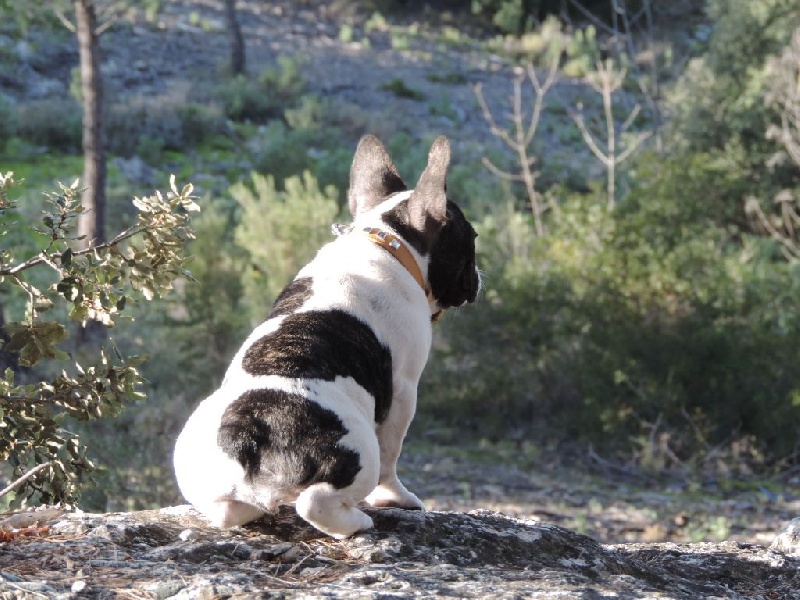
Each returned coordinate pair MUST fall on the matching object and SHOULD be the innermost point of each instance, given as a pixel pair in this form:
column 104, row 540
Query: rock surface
column 172, row 553
column 788, row 540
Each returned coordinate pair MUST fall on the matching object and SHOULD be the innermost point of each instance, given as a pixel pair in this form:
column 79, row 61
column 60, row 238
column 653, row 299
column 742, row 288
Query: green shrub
column 53, row 123
column 243, row 99
column 216, row 319
column 409, row 154
column 616, row 327
column 507, row 15
column 318, row 145
column 309, row 114
column 149, row 125
column 280, row 151
column 582, row 52
column 664, row 322
column 286, row 79
column 143, row 125
column 718, row 104
column 401, row 89
column 8, row 120
column 265, row 97
column 281, row 231
column 199, row 123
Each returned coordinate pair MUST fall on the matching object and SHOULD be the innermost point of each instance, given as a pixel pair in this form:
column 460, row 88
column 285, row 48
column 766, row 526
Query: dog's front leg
column 391, row 433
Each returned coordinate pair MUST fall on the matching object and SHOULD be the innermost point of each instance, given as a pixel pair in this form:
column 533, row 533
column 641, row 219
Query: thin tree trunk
column 235, row 37
column 92, row 223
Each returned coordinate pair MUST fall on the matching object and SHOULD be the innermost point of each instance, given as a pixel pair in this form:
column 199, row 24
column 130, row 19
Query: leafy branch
column 94, row 285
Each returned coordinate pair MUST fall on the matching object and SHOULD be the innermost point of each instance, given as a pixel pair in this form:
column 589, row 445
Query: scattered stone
column 187, row 535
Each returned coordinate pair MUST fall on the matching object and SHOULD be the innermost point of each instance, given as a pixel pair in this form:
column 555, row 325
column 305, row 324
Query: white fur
column 354, row 274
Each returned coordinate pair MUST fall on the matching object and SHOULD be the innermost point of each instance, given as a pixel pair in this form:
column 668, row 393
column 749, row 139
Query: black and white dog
column 317, row 402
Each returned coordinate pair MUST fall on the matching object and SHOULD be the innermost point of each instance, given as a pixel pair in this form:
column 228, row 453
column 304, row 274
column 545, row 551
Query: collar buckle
column 398, row 249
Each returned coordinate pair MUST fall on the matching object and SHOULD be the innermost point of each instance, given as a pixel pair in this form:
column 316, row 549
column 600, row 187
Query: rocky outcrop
column 172, row 553
column 788, row 540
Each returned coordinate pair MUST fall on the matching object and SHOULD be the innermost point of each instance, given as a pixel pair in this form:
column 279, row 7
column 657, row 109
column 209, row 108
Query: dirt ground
column 587, row 496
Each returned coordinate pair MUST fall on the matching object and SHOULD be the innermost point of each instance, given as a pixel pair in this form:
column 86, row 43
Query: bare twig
column 625, row 30
column 108, row 16
column 790, row 219
column 606, row 80
column 498, row 172
column 31, row 517
column 522, row 131
column 47, row 258
column 15, row 484
column 103, row 27
column 649, row 86
column 64, row 20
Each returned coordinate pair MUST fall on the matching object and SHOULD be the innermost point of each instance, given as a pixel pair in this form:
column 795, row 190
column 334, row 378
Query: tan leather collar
column 395, row 246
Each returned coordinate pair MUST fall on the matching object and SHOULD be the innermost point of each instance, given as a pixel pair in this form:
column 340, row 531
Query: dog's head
column 425, row 218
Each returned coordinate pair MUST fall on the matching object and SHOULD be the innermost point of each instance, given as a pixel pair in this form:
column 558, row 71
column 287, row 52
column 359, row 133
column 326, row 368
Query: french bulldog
column 316, row 403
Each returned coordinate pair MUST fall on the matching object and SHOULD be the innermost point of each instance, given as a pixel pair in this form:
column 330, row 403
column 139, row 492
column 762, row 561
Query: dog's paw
column 230, row 513
column 329, row 511
column 394, row 496
column 357, row 521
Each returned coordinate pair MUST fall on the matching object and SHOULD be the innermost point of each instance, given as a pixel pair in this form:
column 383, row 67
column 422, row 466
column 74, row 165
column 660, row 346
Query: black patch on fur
column 451, row 271
column 322, row 345
column 292, row 297
column 398, row 219
column 290, row 437
column 390, row 184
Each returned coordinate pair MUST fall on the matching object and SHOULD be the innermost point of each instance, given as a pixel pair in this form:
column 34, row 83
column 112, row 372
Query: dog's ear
column 373, row 176
column 428, row 205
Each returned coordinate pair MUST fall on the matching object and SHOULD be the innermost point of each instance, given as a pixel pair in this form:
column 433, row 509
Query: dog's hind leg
column 331, row 511
column 390, row 492
column 230, row 513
